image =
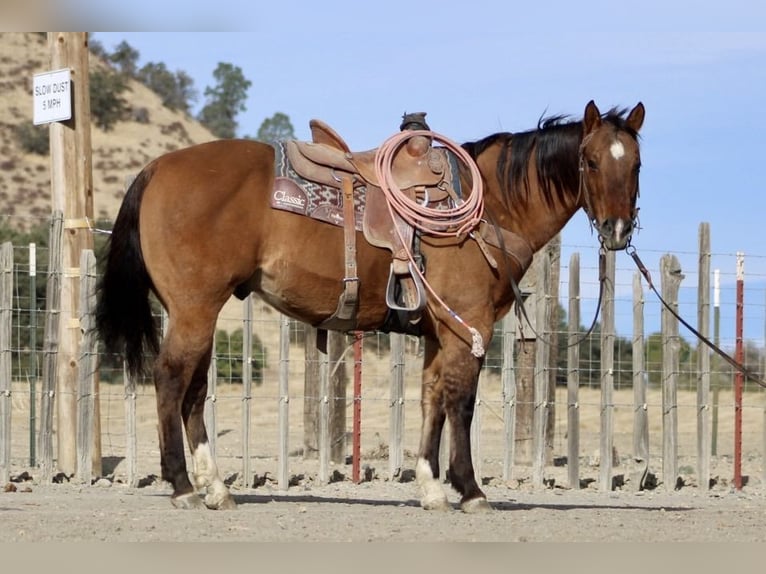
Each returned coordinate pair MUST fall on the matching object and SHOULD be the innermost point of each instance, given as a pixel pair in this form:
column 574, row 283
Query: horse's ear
column 636, row 117
column 591, row 118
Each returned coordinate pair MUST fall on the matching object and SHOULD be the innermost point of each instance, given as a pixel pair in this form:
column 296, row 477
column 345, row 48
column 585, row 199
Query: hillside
column 118, row 154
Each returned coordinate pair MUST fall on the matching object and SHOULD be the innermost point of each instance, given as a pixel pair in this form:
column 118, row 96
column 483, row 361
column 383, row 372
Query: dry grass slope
column 118, row 154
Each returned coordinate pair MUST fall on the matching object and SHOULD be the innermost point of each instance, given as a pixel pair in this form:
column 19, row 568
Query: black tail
column 124, row 318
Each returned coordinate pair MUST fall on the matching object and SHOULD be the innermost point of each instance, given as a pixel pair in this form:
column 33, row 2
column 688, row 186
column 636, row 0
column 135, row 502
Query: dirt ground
column 381, row 510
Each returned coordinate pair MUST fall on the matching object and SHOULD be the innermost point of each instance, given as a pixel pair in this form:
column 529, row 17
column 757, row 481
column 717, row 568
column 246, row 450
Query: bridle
column 584, row 192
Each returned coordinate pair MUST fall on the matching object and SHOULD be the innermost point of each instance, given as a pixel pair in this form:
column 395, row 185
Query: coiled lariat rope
column 455, row 221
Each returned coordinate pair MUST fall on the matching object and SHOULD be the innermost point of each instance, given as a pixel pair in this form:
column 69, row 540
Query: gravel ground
column 381, row 510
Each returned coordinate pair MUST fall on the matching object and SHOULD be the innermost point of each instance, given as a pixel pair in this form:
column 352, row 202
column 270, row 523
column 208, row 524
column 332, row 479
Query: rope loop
column 445, row 222
column 449, row 222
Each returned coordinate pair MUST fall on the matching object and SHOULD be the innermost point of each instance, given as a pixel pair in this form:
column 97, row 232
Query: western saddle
column 423, row 172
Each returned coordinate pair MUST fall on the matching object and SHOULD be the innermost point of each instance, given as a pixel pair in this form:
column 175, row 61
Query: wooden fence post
column 87, row 398
column 72, row 193
column 703, row 359
column 247, row 386
column 131, row 432
column 283, row 477
column 210, row 401
column 6, row 318
column 50, row 348
column 573, row 375
column 607, row 375
column 671, row 276
column 541, row 377
column 396, row 427
column 508, row 381
column 318, row 365
column 640, row 381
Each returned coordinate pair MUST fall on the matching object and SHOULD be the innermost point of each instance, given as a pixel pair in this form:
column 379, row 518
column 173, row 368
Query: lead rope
column 738, row 366
column 453, row 222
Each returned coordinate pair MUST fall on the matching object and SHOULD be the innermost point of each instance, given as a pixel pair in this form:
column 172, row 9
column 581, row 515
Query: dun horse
column 197, row 225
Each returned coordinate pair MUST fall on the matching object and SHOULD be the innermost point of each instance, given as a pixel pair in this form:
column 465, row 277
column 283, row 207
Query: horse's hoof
column 220, row 502
column 476, row 505
column 188, row 502
column 439, row 504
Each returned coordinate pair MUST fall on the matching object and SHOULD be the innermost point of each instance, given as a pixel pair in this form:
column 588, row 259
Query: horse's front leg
column 204, row 467
column 450, row 380
column 432, row 494
column 459, row 401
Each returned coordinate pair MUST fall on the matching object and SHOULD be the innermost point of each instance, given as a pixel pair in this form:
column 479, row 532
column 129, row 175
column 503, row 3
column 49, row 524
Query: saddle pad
column 316, row 200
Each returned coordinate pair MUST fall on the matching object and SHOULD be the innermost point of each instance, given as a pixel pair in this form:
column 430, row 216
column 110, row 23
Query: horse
column 196, row 226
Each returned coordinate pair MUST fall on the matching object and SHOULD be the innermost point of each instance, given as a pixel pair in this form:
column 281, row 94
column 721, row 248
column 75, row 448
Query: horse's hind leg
column 205, row 469
column 179, row 379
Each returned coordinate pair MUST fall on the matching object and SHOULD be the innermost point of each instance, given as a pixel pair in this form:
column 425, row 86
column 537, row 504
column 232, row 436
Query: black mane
column 555, row 143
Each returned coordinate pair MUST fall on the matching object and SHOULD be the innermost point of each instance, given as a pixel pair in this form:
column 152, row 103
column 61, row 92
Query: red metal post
column 739, row 377
column 357, row 433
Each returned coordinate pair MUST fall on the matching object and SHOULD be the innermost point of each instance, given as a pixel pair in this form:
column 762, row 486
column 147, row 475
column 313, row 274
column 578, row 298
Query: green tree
column 176, row 90
column 275, row 129
column 225, row 100
column 107, row 103
column 229, row 361
column 125, row 58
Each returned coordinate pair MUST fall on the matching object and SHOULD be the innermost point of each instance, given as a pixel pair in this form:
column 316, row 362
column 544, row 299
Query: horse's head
column 609, row 166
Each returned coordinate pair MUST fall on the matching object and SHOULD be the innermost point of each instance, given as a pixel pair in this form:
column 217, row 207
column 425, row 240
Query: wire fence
column 127, row 412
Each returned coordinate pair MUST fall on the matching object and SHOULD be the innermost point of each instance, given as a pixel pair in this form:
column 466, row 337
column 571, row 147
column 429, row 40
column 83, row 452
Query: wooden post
column 337, row 384
column 525, row 362
column 131, row 432
column 541, row 378
column 318, row 365
column 356, row 458
column 396, row 427
column 72, row 194
column 6, row 318
column 508, row 381
column 211, row 399
column 607, row 375
column 640, row 381
column 247, row 386
column 670, row 270
column 283, row 420
column 87, row 368
column 50, row 348
column 703, row 359
column 573, row 375
column 553, row 260
column 311, row 390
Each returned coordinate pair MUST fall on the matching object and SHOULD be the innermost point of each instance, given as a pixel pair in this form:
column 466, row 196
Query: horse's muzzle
column 615, row 233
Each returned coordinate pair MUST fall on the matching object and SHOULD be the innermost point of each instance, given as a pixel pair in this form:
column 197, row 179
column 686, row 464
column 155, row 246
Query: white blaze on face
column 617, row 149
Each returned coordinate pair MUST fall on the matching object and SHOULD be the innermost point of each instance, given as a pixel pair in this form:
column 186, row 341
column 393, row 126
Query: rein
column 737, row 366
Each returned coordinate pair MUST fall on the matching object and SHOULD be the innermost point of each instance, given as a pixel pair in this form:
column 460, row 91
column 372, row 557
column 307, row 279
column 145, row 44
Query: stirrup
column 420, row 291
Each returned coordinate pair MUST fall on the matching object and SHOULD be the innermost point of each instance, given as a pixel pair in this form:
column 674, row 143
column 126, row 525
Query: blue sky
column 490, row 66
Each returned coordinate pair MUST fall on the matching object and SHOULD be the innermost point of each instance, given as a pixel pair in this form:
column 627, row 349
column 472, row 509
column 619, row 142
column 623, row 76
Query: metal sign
column 52, row 96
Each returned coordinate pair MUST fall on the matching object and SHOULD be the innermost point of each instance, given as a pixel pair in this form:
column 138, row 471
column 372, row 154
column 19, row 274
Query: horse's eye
column 592, row 165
